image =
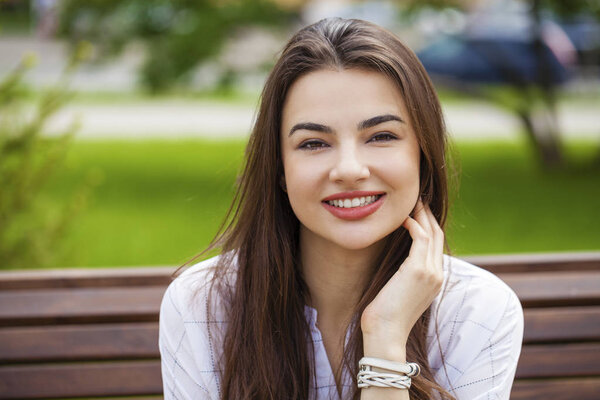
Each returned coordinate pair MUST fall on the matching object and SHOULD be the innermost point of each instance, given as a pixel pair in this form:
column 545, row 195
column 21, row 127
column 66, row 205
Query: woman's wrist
column 382, row 340
column 393, row 349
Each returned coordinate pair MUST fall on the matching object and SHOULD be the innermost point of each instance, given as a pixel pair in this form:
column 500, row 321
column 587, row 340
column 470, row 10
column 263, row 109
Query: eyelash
column 312, row 145
column 387, row 135
column 317, row 144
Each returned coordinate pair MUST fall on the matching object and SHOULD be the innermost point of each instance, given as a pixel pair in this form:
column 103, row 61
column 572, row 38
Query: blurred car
column 502, row 44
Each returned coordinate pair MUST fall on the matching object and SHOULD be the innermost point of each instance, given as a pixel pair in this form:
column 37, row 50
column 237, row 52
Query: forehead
column 338, row 96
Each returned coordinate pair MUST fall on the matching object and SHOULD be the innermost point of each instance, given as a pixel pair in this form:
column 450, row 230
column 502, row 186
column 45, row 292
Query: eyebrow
column 380, row 119
column 367, row 123
column 310, row 126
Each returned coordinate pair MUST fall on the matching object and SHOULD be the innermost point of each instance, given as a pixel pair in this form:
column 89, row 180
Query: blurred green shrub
column 31, row 228
column 177, row 34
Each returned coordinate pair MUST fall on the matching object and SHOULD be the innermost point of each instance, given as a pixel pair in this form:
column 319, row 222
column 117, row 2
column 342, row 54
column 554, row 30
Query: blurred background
column 123, row 122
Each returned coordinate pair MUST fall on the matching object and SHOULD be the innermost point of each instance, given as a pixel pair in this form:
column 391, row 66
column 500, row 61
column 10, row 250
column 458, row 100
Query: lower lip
column 354, row 213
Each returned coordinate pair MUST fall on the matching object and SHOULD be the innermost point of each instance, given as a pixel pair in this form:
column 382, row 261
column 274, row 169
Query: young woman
column 334, row 253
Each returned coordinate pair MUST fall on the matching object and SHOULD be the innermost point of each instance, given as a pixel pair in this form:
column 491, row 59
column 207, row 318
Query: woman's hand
column 388, row 320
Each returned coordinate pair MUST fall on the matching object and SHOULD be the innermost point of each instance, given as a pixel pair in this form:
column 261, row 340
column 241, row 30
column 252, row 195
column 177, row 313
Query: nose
column 349, row 167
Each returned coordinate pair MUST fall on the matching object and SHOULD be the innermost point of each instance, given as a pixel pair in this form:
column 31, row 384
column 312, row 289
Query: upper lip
column 351, row 195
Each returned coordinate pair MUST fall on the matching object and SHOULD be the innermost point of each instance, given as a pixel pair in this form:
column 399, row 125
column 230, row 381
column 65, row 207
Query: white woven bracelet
column 368, row 378
column 408, row 369
column 402, row 380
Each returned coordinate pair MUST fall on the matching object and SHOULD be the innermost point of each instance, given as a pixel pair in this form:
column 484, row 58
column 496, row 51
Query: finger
column 423, row 219
column 438, row 238
column 420, row 216
column 420, row 247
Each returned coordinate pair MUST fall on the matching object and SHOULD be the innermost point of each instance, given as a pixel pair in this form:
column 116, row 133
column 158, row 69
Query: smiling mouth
column 354, row 202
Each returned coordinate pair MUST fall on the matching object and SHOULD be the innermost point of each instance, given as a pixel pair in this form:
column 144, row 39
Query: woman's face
column 350, row 155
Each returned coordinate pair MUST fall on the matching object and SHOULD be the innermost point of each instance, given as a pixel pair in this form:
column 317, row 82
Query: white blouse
column 479, row 333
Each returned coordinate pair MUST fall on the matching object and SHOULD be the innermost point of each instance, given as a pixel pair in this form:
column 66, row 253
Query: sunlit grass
column 507, row 203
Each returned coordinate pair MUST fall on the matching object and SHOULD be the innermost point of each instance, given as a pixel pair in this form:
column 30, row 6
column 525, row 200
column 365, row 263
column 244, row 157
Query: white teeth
column 354, row 202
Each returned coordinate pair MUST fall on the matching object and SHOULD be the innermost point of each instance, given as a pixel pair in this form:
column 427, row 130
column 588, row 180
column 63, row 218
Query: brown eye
column 383, row 137
column 312, row 145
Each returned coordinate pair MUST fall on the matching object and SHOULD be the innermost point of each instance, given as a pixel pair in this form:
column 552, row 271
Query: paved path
column 184, row 119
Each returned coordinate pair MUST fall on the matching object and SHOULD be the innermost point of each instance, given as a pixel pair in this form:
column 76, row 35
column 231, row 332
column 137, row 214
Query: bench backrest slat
column 79, row 342
column 560, row 389
column 118, row 378
column 20, row 307
column 543, row 289
column 572, row 359
column 80, row 278
column 549, row 324
column 546, row 262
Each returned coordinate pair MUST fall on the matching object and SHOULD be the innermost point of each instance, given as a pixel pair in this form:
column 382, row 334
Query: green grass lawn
column 507, row 204
column 161, row 202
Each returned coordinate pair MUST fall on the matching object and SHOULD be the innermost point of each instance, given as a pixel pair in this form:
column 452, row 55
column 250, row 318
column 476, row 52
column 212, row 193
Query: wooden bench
column 94, row 333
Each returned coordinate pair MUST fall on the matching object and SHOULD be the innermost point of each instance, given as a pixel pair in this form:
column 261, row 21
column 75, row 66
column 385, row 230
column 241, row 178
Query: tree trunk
column 543, row 139
column 543, row 129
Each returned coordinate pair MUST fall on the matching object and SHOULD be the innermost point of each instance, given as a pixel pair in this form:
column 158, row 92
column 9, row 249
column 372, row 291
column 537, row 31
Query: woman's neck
column 335, row 276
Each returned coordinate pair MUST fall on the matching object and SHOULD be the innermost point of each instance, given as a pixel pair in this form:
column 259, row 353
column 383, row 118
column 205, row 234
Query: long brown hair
column 265, row 351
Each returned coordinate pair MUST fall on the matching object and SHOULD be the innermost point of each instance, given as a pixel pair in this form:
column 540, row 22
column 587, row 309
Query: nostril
column 349, row 168
column 355, row 174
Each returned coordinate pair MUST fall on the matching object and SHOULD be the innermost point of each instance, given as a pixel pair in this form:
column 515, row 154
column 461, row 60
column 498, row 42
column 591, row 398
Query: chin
column 359, row 243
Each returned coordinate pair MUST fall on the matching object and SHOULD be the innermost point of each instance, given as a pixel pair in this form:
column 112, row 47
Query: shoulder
column 183, row 292
column 475, row 313
column 473, row 290
column 188, row 294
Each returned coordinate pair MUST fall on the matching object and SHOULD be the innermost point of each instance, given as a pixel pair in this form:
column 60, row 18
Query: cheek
column 409, row 184
column 402, row 175
column 400, row 170
column 411, row 178
column 301, row 181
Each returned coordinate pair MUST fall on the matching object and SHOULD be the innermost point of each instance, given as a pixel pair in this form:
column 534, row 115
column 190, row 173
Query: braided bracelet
column 401, row 380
